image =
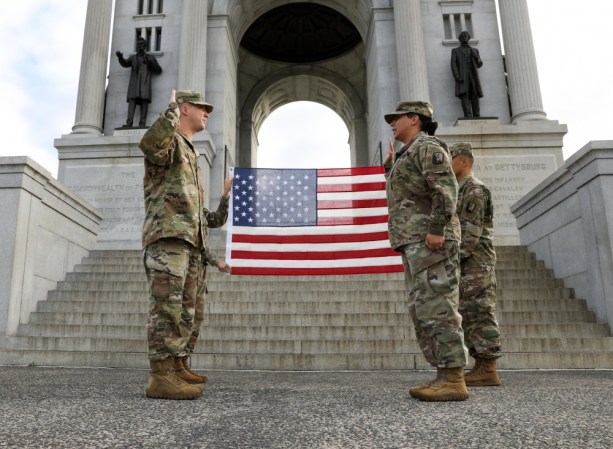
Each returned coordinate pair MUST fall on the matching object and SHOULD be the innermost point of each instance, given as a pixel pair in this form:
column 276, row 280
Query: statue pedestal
column 510, row 159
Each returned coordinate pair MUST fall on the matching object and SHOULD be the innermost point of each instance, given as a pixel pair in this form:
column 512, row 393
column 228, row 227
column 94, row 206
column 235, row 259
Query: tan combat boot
column 165, row 384
column 414, row 390
column 182, row 370
column 483, row 374
column 449, row 387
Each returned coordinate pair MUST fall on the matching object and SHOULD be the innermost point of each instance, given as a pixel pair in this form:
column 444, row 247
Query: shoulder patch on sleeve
column 470, row 207
column 438, row 158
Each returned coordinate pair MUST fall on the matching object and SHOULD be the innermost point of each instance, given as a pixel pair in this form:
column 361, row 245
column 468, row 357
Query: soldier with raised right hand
column 423, row 226
column 175, row 240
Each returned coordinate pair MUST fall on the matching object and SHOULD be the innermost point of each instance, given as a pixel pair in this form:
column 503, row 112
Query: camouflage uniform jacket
column 174, row 197
column 422, row 193
column 214, row 220
column 476, row 212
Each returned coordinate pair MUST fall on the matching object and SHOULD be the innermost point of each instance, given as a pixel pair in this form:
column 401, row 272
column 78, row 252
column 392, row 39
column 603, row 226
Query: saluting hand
column 227, row 186
column 389, row 157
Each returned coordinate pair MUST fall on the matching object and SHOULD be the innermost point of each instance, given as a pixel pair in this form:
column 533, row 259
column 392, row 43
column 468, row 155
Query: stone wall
column 46, row 231
column 567, row 222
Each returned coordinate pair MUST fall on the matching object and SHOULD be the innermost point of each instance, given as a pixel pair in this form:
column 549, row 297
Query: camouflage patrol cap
column 416, row 107
column 461, row 149
column 193, row 97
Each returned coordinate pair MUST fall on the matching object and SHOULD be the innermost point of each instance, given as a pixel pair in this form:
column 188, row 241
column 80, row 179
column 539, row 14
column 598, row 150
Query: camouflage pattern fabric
column 175, row 213
column 422, row 193
column 174, row 199
column 198, row 314
column 477, row 260
column 478, row 310
column 433, row 304
column 214, row 220
column 476, row 213
column 175, row 272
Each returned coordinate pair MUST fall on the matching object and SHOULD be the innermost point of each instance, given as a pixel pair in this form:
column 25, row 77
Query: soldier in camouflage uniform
column 175, row 240
column 424, row 228
column 477, row 260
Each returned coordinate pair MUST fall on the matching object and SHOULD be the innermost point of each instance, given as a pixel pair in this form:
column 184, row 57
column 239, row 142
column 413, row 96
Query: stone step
column 302, row 319
column 551, row 285
column 507, row 295
column 216, row 304
column 366, row 332
column 319, row 362
column 355, row 346
column 97, row 317
column 231, row 319
column 138, row 275
column 519, row 264
column 502, row 252
column 534, row 293
column 509, row 278
column 89, row 265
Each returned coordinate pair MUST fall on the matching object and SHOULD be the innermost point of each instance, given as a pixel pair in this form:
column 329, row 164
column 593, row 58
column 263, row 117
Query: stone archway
column 304, row 84
column 271, row 73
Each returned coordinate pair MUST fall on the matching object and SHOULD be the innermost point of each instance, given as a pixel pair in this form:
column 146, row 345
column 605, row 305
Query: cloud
column 41, row 45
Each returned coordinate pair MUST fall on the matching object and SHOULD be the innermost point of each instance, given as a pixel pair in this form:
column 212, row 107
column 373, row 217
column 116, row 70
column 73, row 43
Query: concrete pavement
column 107, row 408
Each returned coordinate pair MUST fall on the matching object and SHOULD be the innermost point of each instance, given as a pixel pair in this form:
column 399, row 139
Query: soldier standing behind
column 423, row 226
column 477, row 260
column 175, row 240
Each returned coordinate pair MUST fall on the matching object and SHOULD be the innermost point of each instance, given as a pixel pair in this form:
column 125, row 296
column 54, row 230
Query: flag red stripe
column 316, row 271
column 358, row 187
column 315, row 255
column 339, row 221
column 350, row 204
column 355, row 171
column 328, row 238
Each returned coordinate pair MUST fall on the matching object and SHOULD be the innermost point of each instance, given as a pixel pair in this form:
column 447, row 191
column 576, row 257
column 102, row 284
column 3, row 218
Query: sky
column 40, row 53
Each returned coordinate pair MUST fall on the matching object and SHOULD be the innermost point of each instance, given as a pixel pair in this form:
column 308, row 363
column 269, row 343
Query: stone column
column 192, row 59
column 92, row 80
column 412, row 68
column 524, row 88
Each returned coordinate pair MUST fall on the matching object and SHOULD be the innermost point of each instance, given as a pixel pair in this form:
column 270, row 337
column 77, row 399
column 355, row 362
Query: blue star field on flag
column 275, row 197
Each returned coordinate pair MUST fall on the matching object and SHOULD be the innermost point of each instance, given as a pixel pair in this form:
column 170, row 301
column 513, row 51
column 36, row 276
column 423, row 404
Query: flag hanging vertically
column 309, row 222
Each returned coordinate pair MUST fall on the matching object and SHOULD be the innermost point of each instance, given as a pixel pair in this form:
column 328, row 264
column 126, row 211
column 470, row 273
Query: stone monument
column 358, row 58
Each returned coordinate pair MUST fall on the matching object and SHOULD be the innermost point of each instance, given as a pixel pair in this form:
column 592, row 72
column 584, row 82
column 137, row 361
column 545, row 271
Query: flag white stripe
column 275, row 263
column 357, row 179
column 335, row 196
column 310, row 247
column 310, row 230
column 361, row 212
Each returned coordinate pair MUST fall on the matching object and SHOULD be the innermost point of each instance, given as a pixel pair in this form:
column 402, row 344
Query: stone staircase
column 97, row 316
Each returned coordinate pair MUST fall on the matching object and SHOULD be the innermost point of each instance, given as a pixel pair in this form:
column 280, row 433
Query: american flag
column 309, row 222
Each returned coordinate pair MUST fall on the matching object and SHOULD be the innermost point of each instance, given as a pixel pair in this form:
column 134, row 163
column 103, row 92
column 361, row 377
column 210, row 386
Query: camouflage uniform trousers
column 198, row 314
column 175, row 273
column 433, row 292
column 478, row 310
